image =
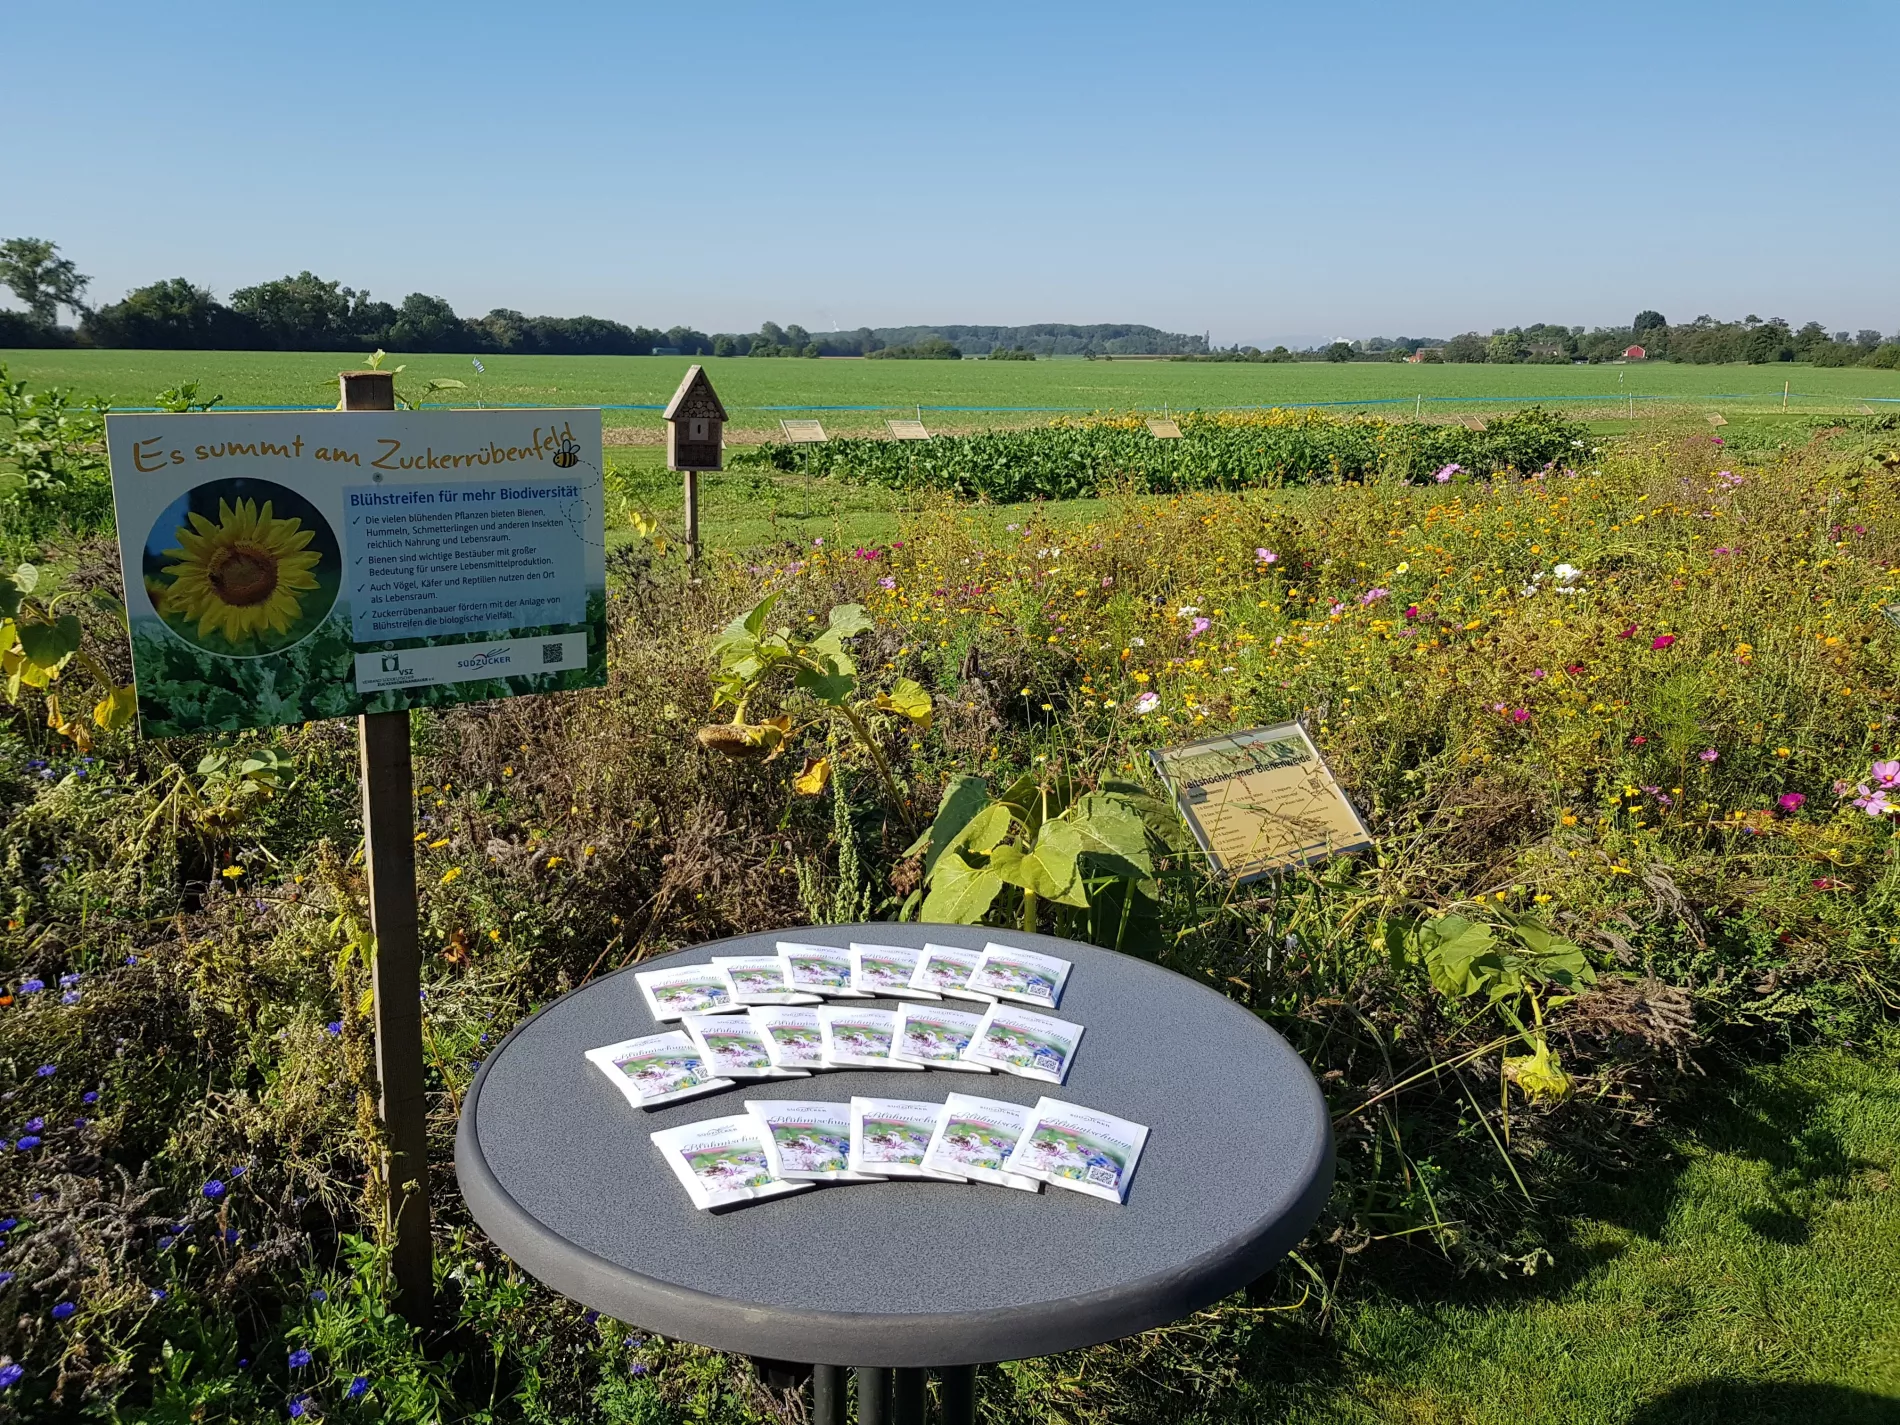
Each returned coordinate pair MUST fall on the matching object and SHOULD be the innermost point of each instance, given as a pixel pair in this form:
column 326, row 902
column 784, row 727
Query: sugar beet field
column 857, row 395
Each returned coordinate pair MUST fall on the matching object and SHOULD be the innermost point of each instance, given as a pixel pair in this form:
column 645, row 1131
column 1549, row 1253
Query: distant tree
column 1504, row 348
column 42, row 279
column 772, row 333
column 301, row 313
column 1885, row 356
column 425, row 323
column 1867, row 337
column 170, row 314
column 1771, row 341
column 1338, row 351
column 1467, row 347
column 725, row 346
column 1647, row 320
column 934, row 350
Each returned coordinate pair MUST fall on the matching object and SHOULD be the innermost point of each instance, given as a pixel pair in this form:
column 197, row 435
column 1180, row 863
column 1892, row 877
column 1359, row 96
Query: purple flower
column 158, row 1295
column 1708, row 754
column 10, row 1375
column 89, row 1097
column 70, row 997
column 66, row 982
column 1886, row 775
column 887, row 583
column 299, row 1358
column 213, row 1189
column 1446, row 472
column 298, row 1406
column 1663, row 640
column 32, row 987
column 319, row 1296
column 335, row 1026
column 5, row 1277
column 639, row 1368
column 1372, row 596
column 1265, row 556
column 63, row 1310
column 1199, row 627
column 358, row 1388
column 46, row 1071
column 1790, row 801
column 9, row 1224
column 34, row 1125
column 28, row 1143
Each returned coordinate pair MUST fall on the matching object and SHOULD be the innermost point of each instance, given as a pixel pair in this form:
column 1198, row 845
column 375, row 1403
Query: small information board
column 1260, row 800
column 1164, row 429
column 804, row 432
column 907, row 430
column 282, row 567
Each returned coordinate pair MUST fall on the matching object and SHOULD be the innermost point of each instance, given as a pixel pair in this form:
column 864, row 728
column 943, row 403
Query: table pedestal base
column 892, row 1397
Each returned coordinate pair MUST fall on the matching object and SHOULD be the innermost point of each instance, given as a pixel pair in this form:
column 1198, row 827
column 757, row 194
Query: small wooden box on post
column 695, row 441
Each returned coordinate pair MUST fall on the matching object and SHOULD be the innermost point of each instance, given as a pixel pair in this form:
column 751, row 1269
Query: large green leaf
column 831, row 684
column 982, row 833
column 1113, row 837
column 1459, row 955
column 962, row 799
column 1049, row 870
column 46, row 644
column 960, row 894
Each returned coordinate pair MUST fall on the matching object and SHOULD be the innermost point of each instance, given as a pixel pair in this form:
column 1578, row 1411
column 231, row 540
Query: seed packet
column 935, row 1037
column 889, row 1136
column 657, row 1068
column 1068, row 1146
column 733, row 1046
column 1004, row 972
column 818, row 969
column 721, row 1161
column 1024, row 1043
column 859, row 1038
column 807, row 1142
column 946, row 970
column 885, row 971
column 759, row 979
column 975, row 1136
column 685, row 989
column 792, row 1035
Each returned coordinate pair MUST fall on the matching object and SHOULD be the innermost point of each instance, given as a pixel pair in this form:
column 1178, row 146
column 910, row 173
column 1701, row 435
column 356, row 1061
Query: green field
column 856, row 395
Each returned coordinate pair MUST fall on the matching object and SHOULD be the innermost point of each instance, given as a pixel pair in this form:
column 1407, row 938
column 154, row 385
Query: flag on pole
column 480, row 369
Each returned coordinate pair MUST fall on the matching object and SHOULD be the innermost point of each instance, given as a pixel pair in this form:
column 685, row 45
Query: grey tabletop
column 557, row 1167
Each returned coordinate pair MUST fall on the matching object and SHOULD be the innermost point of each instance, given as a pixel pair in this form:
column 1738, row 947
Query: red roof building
column 1635, row 353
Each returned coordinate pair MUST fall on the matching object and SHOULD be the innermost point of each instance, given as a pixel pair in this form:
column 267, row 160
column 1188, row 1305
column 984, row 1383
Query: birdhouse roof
column 695, row 398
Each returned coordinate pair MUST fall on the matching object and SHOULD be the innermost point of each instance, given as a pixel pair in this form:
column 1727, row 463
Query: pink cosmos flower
column 1411, row 610
column 1147, row 703
column 1520, row 715
column 1200, row 626
column 1708, row 754
column 887, row 582
column 1717, row 439
column 1874, row 803
column 1723, row 549
column 1887, row 775
column 1538, row 673
column 1372, row 596
column 1445, row 474
column 1663, row 640
column 1790, row 801
column 1265, row 556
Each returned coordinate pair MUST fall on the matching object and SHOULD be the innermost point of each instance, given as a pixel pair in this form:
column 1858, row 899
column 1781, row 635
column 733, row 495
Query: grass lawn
column 967, row 393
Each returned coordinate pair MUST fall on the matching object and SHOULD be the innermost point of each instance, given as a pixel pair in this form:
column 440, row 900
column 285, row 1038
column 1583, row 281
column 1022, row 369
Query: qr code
column 1102, row 1177
column 1049, row 1063
column 552, row 652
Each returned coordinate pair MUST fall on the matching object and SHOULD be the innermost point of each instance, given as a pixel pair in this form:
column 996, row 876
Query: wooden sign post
column 695, row 441
column 389, row 856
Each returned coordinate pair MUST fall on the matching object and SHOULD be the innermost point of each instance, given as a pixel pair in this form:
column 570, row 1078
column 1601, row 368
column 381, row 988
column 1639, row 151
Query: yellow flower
column 450, row 874
column 241, row 577
column 438, row 845
column 231, row 873
column 554, row 861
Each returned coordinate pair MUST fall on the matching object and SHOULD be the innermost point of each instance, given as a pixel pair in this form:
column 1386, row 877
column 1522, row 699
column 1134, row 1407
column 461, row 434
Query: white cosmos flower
column 1147, row 703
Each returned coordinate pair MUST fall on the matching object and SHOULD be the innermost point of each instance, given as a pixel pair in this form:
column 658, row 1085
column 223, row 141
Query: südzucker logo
column 487, row 658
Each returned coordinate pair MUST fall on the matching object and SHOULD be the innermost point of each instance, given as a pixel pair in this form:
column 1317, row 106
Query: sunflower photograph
column 242, row 567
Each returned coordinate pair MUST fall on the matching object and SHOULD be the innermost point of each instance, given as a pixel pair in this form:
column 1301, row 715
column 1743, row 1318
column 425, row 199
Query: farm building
column 1635, row 353
column 1427, row 353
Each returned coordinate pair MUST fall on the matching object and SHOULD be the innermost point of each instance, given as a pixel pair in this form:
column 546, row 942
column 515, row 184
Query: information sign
column 1260, row 800
column 281, row 567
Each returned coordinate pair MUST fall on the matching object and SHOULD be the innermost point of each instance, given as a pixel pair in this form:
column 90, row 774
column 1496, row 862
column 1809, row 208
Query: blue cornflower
column 28, row 1143
column 66, row 982
column 70, row 997
column 230, row 1234
column 34, row 1125
column 335, row 1026
column 158, row 1294
column 63, row 1310
column 10, row 1375
column 89, row 1097
column 298, row 1406
column 9, row 1224
column 4, row 1145
column 319, row 1295
column 5, row 1277
column 79, row 1123
column 639, row 1368
column 32, row 987
column 299, row 1358
column 46, row 1071
column 590, row 1317
column 358, row 1388
column 213, row 1189
column 131, row 959
column 238, row 1171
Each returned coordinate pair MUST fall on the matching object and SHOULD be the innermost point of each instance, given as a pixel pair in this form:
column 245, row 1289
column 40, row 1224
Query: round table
column 557, row 1168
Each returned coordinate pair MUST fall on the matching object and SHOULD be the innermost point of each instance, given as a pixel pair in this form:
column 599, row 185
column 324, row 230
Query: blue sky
column 1257, row 171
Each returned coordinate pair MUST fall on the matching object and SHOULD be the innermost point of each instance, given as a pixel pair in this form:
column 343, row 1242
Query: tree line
column 306, row 312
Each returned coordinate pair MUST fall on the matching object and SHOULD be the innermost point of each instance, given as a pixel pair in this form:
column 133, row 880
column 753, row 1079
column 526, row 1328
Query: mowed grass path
column 987, row 393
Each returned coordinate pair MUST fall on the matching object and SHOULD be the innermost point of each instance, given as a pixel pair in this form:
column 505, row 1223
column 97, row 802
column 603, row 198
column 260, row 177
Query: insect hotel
column 695, row 441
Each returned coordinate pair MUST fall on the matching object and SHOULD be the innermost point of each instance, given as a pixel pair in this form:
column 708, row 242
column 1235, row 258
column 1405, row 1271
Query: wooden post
column 1784, row 394
column 389, row 854
column 692, row 516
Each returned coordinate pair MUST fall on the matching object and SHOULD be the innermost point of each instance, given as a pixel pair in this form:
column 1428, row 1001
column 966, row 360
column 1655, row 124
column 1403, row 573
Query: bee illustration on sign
column 568, row 455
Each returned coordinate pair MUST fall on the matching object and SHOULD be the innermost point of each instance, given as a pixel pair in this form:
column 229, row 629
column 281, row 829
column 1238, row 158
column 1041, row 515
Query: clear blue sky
column 1254, row 170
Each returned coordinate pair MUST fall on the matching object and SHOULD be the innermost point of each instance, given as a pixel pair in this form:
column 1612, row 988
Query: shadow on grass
column 1732, row 1402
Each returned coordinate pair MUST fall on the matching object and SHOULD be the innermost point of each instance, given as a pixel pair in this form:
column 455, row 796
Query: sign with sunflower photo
column 282, row 567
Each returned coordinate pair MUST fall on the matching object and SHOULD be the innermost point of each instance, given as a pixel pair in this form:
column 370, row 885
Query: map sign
column 281, row 567
column 1260, row 800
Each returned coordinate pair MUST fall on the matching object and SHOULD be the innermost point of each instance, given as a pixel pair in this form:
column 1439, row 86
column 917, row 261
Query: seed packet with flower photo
column 657, row 1068
column 945, row 969
column 935, row 1037
column 1068, row 1146
column 1005, row 972
column 722, row 1161
column 857, row 1037
column 685, row 989
column 1024, row 1043
column 818, row 969
column 885, row 971
column 974, row 1138
column 759, row 979
column 733, row 1046
column 890, row 1135
column 792, row 1035
column 807, row 1142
